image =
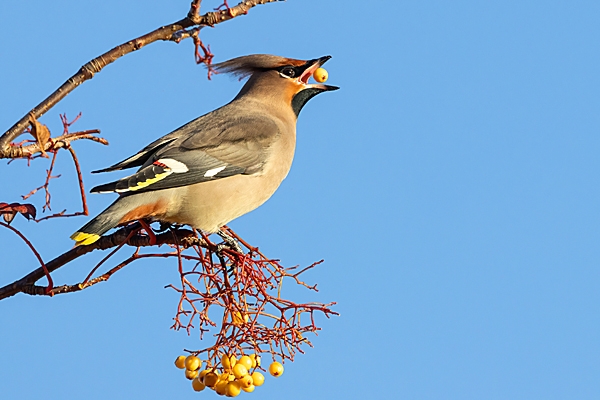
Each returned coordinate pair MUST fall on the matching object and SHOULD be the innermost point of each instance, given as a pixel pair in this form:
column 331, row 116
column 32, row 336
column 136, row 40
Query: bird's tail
column 106, row 220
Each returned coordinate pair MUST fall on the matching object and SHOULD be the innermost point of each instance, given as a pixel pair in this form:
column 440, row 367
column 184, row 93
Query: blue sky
column 451, row 185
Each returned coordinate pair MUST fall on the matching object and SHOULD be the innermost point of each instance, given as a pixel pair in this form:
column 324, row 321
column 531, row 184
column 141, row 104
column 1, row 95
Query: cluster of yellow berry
column 233, row 378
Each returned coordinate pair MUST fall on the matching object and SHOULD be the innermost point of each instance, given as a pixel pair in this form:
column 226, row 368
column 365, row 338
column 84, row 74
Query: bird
column 220, row 165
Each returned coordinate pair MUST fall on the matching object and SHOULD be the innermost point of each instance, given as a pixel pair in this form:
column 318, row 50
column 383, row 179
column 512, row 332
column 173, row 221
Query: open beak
column 310, row 67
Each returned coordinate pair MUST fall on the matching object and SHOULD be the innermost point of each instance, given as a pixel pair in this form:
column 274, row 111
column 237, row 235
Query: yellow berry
column 257, row 378
column 228, row 361
column 276, row 369
column 197, row 385
column 191, row 374
column 246, row 381
column 239, row 370
column 226, row 376
column 202, row 374
column 233, row 389
column 180, row 362
column 245, row 361
column 210, row 379
column 192, row 363
column 249, row 389
column 221, row 387
column 255, row 360
column 320, row 75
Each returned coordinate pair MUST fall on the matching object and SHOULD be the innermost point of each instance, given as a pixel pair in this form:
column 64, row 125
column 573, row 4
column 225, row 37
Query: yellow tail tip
column 83, row 239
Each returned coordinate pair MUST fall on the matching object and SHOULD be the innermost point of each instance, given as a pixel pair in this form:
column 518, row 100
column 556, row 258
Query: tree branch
column 53, row 144
column 183, row 237
column 94, row 66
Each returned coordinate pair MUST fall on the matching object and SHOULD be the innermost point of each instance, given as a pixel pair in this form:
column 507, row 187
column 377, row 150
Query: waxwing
column 221, row 165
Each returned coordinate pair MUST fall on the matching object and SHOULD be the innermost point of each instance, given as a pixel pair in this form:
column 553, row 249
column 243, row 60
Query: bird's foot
column 149, row 231
column 228, row 242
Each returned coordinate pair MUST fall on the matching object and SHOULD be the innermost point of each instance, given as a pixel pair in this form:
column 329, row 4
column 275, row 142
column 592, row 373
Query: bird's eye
column 288, row 71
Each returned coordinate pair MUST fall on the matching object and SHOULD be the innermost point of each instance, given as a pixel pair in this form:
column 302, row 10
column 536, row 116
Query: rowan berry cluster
column 230, row 378
column 236, row 297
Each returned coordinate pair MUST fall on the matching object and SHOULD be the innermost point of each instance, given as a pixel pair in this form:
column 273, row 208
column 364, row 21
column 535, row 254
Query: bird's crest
column 247, row 65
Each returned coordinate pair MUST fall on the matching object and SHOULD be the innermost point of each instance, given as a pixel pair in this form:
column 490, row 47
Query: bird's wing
column 202, row 152
column 141, row 157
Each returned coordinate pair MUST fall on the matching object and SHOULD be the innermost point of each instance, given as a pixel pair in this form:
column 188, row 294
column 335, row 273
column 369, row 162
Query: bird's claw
column 228, row 242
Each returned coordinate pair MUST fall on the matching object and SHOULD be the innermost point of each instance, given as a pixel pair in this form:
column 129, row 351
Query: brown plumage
column 222, row 164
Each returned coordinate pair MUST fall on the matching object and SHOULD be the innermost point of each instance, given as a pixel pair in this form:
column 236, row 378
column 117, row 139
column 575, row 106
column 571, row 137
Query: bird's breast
column 210, row 205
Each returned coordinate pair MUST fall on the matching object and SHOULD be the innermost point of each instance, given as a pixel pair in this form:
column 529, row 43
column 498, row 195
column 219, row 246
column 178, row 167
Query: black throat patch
column 301, row 98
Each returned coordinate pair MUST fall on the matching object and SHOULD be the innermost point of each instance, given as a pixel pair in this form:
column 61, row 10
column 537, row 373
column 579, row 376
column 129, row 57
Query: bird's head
column 277, row 79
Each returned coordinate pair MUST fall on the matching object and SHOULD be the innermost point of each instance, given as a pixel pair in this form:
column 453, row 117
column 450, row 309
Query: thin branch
column 87, row 278
column 36, row 290
column 46, row 184
column 53, row 144
column 44, row 268
column 183, row 237
column 84, row 206
column 194, row 12
column 96, row 65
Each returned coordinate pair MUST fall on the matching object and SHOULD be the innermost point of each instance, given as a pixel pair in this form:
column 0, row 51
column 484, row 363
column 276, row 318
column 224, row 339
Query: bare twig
column 84, row 206
column 54, row 144
column 44, row 267
column 194, row 12
column 87, row 278
column 36, row 290
column 252, row 316
column 46, row 184
column 94, row 66
column 184, row 237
